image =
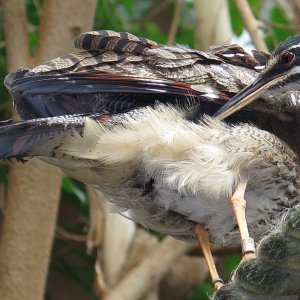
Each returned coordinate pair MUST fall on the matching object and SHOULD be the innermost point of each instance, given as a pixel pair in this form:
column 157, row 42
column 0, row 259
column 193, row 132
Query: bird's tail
column 38, row 137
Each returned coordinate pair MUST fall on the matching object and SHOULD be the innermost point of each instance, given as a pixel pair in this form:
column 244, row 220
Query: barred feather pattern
column 228, row 68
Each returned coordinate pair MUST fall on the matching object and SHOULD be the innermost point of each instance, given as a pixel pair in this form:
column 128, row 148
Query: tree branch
column 61, row 22
column 175, row 23
column 16, row 34
column 33, row 192
column 251, row 24
column 149, row 272
column 296, row 18
column 212, row 23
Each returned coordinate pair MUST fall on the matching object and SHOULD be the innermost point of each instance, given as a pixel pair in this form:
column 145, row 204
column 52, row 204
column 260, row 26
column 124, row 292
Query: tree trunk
column 213, row 23
column 34, row 188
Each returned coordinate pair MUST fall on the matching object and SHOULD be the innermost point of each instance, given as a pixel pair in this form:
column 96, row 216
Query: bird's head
column 281, row 74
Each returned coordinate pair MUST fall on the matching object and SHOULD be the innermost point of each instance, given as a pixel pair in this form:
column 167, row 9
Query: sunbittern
column 84, row 113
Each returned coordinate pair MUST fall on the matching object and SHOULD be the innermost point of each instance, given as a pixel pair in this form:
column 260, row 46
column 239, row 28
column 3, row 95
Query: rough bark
column 33, row 192
column 61, row 22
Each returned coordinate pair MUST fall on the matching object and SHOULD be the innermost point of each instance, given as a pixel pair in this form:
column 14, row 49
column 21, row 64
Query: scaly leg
column 203, row 239
column 238, row 203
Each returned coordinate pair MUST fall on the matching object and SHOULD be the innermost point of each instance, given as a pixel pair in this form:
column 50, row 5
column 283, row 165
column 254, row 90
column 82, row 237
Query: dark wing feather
column 236, row 55
column 64, row 94
column 120, row 72
column 38, row 137
column 44, row 136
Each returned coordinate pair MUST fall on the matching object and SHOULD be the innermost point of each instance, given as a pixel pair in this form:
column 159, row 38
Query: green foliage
column 230, row 263
column 74, row 189
column 203, row 291
column 140, row 18
column 33, row 9
column 280, row 26
column 236, row 20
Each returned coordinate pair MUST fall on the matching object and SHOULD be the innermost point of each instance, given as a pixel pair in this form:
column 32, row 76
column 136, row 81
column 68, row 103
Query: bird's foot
column 248, row 248
column 217, row 283
column 203, row 238
column 248, row 256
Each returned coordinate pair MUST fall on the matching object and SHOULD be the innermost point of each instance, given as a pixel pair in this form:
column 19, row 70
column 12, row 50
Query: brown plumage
column 95, row 115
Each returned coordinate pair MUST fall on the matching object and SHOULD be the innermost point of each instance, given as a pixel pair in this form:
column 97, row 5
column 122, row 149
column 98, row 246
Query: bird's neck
column 287, row 128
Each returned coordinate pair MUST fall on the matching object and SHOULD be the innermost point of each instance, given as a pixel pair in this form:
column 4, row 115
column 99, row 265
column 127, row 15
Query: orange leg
column 238, row 203
column 203, row 239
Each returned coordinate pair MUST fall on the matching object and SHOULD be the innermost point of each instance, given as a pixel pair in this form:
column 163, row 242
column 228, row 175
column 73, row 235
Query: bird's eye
column 287, row 58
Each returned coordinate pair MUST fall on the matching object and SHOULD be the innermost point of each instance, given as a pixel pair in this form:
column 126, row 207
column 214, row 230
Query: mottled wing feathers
column 261, row 56
column 128, row 55
column 236, row 55
column 118, row 72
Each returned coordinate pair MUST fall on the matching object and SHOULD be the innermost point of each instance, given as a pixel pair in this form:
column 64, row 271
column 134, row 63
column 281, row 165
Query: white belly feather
column 194, row 167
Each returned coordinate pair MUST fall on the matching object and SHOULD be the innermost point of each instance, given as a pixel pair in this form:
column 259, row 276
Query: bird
column 116, row 72
column 137, row 97
column 168, row 173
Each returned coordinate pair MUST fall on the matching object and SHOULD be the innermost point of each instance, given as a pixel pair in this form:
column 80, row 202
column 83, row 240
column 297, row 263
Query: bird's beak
column 248, row 95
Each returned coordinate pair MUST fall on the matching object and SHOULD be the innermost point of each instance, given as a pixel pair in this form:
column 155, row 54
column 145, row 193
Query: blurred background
column 93, row 251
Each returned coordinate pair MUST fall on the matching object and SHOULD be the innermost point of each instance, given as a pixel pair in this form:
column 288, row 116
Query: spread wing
column 118, row 72
column 115, row 74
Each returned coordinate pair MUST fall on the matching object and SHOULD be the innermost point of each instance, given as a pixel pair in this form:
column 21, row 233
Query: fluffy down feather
column 166, row 172
column 194, row 167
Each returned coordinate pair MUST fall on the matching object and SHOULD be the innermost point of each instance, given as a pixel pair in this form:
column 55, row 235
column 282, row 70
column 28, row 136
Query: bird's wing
column 64, row 94
column 118, row 72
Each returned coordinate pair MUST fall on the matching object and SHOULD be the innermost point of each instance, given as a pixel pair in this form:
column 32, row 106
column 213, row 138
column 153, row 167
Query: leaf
column 279, row 19
column 202, row 291
column 69, row 186
column 236, row 20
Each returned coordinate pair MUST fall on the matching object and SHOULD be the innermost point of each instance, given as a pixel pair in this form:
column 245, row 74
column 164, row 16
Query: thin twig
column 101, row 285
column 268, row 23
column 296, row 4
column 66, row 235
column 175, row 23
column 251, row 24
column 296, row 11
